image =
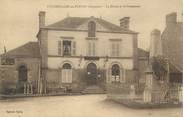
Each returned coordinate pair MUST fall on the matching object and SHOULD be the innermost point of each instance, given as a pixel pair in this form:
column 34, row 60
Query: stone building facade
column 78, row 52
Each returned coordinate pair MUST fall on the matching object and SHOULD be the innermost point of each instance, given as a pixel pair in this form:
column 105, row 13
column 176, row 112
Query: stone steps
column 93, row 90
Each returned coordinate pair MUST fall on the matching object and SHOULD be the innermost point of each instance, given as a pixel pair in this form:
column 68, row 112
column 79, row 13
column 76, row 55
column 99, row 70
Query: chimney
column 42, row 19
column 124, row 22
column 171, row 19
column 155, row 44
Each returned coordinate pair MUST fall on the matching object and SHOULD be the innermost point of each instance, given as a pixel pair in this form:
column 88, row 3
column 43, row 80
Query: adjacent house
column 20, row 69
column 172, row 41
column 164, row 73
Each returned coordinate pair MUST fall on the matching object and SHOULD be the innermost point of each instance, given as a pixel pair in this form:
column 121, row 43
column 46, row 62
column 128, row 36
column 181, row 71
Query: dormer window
column 91, row 29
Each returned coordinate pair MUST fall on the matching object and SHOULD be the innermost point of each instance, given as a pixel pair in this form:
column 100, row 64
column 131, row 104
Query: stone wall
column 9, row 74
column 172, row 37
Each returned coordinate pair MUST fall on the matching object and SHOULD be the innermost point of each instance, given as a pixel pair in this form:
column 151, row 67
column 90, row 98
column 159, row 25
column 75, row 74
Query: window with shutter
column 67, row 47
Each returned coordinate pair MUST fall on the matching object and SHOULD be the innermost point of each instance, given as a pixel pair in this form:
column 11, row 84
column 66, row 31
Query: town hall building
column 75, row 54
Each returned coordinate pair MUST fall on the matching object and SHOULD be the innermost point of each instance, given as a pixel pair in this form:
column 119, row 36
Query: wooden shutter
column 89, row 48
column 93, row 49
column 59, row 47
column 112, row 49
column 120, row 48
column 60, row 76
column 66, row 75
column 63, row 75
column 70, row 76
column 73, row 48
column 117, row 49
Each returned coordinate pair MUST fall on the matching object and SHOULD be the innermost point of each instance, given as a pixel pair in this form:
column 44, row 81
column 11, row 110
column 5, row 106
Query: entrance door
column 91, row 74
column 22, row 78
column 22, row 73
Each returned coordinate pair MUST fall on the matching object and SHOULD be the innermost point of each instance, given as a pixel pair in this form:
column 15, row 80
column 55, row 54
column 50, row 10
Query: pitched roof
column 30, row 49
column 173, row 68
column 142, row 53
column 73, row 23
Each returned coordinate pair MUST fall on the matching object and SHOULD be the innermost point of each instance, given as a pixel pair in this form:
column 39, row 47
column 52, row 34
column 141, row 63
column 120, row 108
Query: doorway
column 92, row 74
column 22, row 78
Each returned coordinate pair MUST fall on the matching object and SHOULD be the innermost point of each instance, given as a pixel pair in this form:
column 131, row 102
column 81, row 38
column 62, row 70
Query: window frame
column 91, row 29
column 116, row 77
column 66, row 76
column 91, row 48
column 115, row 48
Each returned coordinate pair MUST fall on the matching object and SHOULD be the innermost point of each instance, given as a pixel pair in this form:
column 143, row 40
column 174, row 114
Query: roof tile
column 75, row 22
column 30, row 49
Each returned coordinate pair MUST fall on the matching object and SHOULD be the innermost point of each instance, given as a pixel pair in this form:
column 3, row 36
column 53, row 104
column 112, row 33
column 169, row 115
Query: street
column 77, row 106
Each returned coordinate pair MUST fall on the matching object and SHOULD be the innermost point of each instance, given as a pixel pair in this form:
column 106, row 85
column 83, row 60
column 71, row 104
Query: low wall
column 123, row 91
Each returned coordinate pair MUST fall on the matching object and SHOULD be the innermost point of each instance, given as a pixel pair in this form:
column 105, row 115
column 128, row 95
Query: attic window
column 91, row 29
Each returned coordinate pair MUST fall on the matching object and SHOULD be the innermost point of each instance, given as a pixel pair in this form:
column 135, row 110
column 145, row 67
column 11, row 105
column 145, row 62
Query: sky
column 19, row 18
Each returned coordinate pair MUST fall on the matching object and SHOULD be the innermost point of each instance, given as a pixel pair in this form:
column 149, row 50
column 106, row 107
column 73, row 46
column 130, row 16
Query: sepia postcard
column 91, row 58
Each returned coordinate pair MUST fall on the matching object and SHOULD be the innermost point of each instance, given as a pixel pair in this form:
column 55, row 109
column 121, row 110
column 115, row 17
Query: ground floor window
column 66, row 73
column 115, row 73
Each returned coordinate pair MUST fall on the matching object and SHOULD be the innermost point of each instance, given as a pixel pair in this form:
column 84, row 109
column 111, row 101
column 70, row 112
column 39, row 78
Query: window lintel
column 65, row 37
column 116, row 39
column 91, row 38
